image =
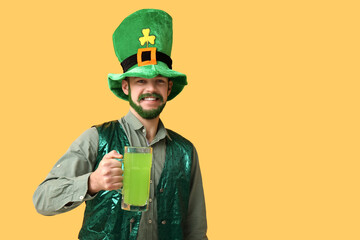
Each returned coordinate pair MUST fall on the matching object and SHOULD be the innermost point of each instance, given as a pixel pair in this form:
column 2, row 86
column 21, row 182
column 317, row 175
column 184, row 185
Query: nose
column 150, row 87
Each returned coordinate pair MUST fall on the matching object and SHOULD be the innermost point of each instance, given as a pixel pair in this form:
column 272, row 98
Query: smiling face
column 147, row 96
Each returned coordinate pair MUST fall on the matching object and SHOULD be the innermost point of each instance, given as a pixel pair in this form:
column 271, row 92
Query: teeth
column 150, row 99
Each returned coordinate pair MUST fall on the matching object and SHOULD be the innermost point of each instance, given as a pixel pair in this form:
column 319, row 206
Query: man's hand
column 108, row 175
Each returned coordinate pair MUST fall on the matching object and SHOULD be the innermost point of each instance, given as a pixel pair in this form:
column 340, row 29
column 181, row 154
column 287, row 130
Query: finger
column 113, row 154
column 113, row 186
column 117, row 179
column 111, row 180
column 111, row 162
column 115, row 171
column 116, row 186
column 116, row 183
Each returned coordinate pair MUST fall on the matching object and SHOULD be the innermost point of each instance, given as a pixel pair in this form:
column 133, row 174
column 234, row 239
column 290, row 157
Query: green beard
column 147, row 114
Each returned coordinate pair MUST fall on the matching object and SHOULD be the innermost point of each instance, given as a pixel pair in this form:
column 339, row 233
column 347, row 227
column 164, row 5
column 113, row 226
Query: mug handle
column 122, row 167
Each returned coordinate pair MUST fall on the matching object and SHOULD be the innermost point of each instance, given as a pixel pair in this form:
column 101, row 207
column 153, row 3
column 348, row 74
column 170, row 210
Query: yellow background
column 272, row 106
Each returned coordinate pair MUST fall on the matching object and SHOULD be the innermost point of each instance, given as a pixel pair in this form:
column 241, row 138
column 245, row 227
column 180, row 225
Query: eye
column 140, row 81
column 160, row 81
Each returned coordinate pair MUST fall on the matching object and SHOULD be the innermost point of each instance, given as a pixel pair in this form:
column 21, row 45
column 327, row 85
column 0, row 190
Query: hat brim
column 148, row 71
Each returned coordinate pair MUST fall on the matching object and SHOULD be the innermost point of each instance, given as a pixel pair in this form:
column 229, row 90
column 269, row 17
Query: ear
column 170, row 84
column 125, row 86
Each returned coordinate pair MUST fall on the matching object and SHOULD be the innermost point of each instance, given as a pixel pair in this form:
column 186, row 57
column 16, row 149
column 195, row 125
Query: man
column 90, row 171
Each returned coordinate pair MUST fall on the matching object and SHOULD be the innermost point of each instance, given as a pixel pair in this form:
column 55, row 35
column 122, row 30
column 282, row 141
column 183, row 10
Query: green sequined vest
column 104, row 218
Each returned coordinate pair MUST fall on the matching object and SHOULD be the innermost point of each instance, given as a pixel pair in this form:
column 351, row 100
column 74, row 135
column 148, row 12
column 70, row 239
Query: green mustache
column 151, row 95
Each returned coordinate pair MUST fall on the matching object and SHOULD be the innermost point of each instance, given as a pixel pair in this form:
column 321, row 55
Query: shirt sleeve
column 196, row 223
column 66, row 185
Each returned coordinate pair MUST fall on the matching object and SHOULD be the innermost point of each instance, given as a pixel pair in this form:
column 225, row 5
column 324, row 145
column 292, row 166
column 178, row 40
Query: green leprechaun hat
column 143, row 43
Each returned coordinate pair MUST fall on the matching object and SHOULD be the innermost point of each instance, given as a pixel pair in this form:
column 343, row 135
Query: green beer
column 136, row 184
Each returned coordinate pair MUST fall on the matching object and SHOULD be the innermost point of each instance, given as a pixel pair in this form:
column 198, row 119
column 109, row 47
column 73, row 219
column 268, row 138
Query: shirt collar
column 137, row 125
column 133, row 121
column 162, row 132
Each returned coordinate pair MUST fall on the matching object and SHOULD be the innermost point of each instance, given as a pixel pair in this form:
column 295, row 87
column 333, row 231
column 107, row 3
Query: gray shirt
column 66, row 185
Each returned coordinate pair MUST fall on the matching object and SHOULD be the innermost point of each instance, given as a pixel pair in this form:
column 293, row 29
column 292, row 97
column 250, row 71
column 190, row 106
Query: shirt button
column 163, row 222
column 58, row 165
column 132, row 220
column 150, row 181
column 81, row 197
column 161, row 190
column 150, row 221
column 144, row 130
column 150, row 200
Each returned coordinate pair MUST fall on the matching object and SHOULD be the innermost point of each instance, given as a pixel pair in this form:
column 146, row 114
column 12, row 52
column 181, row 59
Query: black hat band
column 146, row 59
